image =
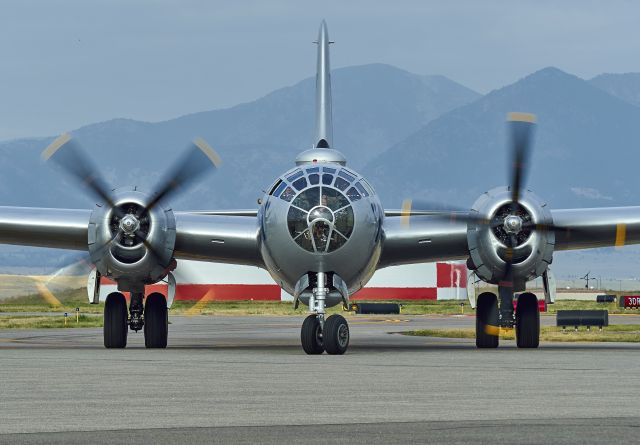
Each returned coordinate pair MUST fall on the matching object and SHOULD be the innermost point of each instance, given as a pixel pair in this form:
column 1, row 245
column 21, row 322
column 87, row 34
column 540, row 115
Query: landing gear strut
column 317, row 334
column 136, row 321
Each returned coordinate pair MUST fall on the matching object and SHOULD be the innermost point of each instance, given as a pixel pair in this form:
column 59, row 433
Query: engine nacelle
column 488, row 243
column 117, row 240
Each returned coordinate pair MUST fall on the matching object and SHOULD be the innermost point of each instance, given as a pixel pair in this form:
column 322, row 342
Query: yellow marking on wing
column 47, row 295
column 406, row 212
column 621, row 234
column 208, row 151
column 55, row 146
column 200, row 304
column 521, row 117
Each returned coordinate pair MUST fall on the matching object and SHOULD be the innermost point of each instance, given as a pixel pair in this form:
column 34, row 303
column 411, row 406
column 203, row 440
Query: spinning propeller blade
column 198, row 159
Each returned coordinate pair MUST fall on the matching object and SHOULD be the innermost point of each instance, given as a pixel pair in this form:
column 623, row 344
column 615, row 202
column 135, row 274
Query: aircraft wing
column 239, row 212
column 598, row 227
column 40, row 227
column 433, row 238
column 422, row 239
column 216, row 238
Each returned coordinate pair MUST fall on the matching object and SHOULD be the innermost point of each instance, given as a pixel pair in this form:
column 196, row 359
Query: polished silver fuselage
column 354, row 262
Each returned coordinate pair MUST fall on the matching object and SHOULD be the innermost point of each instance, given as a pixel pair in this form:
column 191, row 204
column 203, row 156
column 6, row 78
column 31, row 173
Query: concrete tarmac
column 246, row 380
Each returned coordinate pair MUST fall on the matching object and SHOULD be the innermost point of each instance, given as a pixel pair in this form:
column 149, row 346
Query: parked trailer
column 582, row 318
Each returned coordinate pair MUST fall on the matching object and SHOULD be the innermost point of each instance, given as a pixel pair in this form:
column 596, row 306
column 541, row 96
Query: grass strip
column 629, row 333
column 49, row 321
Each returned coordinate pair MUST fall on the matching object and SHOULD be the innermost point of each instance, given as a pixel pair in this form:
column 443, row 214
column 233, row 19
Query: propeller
column 198, row 159
column 511, row 223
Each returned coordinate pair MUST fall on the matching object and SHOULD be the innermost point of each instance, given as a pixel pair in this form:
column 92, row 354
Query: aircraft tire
column 527, row 321
column 156, row 321
column 311, row 336
column 336, row 335
column 487, row 321
column 115, row 321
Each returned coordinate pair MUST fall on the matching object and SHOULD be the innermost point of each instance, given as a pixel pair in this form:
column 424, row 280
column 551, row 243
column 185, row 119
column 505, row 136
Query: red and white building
column 223, row 282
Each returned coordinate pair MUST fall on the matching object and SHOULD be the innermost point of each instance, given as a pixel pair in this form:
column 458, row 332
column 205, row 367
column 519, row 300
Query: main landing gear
column 491, row 316
column 153, row 317
column 317, row 334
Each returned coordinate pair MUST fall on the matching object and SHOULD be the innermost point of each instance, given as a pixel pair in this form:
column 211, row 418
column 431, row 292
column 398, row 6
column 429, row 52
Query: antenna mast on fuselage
column 324, row 126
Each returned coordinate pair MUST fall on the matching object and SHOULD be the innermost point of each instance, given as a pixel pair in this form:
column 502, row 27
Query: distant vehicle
column 320, row 231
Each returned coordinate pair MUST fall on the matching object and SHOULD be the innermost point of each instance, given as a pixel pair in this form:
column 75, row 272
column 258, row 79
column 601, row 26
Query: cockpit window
column 295, row 176
column 367, row 186
column 314, row 179
column 299, row 184
column 333, row 199
column 361, row 189
column 288, row 194
column 313, row 170
column 320, row 219
column 279, row 187
column 274, row 187
column 346, row 176
column 308, row 199
column 328, row 170
column 327, row 179
column 353, row 194
column 341, row 184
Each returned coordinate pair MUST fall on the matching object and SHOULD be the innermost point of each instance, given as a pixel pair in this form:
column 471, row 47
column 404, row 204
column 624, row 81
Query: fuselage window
column 361, row 189
column 341, row 183
column 295, row 176
column 281, row 186
column 300, row 183
column 346, row 176
column 314, row 179
column 353, row 194
column 327, row 179
column 288, row 194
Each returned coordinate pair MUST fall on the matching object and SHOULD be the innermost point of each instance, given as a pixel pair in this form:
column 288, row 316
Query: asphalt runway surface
column 246, row 380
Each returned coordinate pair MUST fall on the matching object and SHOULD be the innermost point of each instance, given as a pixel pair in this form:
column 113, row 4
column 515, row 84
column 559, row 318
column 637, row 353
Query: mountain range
column 411, row 135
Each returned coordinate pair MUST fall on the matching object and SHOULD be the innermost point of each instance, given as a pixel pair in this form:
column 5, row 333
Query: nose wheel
column 336, row 335
column 311, row 335
column 331, row 336
column 317, row 334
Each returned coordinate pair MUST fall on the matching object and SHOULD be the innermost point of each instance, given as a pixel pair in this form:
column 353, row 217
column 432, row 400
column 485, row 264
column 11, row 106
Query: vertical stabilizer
column 324, row 126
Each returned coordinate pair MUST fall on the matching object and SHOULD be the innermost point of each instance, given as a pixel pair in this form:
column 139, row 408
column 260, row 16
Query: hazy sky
column 72, row 62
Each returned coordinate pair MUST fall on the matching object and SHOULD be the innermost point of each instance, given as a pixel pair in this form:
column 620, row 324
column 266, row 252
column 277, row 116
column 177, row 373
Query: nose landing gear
column 317, row 334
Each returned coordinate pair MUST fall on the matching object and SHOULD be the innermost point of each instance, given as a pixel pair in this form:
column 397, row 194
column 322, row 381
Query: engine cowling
column 129, row 245
column 489, row 244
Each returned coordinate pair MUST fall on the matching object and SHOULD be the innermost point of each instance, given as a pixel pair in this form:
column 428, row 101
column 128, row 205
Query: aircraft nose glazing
column 322, row 213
